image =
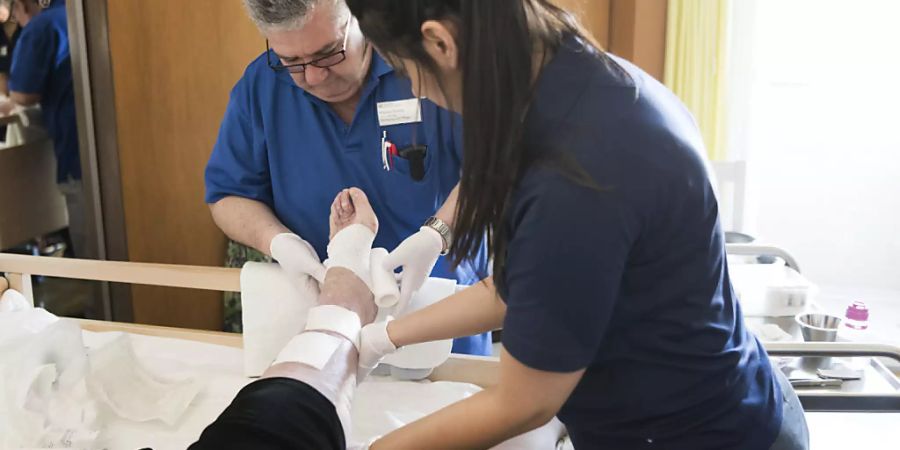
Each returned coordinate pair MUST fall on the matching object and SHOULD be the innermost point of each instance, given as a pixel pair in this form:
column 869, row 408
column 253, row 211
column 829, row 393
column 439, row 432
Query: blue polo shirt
column 41, row 65
column 286, row 148
column 616, row 265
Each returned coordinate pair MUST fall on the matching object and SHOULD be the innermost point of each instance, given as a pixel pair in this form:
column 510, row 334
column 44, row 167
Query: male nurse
column 41, row 74
column 321, row 111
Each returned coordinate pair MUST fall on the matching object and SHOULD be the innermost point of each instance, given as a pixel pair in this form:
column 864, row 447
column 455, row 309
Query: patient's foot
column 351, row 206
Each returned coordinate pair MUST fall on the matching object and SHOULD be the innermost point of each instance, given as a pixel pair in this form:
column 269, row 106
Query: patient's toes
column 364, row 214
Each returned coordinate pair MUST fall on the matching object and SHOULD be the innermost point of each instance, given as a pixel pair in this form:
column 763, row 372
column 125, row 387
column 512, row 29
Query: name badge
column 398, row 112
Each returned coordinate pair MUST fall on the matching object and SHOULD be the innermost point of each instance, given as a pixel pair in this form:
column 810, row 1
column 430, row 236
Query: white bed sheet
column 380, row 405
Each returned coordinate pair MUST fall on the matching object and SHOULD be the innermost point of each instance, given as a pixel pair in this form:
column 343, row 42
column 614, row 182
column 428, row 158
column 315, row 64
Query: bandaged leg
column 323, row 343
column 351, row 248
column 318, row 343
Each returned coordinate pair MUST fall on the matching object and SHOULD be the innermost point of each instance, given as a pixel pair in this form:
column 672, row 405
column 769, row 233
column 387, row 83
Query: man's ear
column 439, row 41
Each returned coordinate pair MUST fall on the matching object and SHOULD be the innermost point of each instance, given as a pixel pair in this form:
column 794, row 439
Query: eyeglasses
column 322, row 63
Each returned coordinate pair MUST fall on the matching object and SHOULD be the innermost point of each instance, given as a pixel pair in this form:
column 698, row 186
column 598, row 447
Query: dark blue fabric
column 288, row 149
column 616, row 264
column 41, row 65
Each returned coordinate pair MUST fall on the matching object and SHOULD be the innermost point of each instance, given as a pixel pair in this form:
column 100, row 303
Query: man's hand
column 343, row 288
column 296, row 256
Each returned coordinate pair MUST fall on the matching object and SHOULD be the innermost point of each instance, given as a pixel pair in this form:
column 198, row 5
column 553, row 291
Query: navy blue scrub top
column 41, row 65
column 620, row 268
column 288, row 149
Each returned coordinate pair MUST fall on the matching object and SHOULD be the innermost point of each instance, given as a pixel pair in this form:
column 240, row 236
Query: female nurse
column 587, row 179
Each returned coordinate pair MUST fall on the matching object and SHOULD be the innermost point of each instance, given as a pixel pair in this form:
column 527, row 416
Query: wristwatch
column 443, row 229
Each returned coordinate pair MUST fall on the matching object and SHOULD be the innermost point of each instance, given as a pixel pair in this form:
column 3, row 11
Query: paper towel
column 131, row 391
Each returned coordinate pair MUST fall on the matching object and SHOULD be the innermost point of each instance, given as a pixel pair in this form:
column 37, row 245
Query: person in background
column 41, row 74
column 8, row 37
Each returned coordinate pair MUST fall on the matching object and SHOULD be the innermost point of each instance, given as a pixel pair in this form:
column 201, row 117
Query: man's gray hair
column 280, row 15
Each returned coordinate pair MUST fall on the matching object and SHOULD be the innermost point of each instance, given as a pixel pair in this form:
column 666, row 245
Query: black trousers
column 275, row 413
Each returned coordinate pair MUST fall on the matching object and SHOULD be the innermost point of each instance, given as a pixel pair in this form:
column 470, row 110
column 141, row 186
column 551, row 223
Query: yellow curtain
column 696, row 52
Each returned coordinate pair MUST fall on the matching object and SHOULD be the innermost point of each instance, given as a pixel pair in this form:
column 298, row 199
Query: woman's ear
column 439, row 40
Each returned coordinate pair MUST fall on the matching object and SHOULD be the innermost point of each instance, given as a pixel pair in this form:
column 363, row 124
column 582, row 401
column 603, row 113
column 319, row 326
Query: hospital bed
column 472, row 370
column 216, row 357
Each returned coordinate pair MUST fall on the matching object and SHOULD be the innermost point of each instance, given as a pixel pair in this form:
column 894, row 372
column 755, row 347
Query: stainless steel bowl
column 817, row 327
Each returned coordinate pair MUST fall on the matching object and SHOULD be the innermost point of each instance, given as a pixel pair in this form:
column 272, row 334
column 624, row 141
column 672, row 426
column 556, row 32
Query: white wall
column 815, row 111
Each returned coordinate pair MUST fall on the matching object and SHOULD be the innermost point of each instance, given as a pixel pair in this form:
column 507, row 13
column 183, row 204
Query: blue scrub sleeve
column 568, row 251
column 33, row 61
column 239, row 164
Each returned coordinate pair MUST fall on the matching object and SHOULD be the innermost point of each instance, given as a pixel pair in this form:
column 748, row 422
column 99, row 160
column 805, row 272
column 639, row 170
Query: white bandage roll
column 384, row 284
column 350, row 249
column 312, row 348
column 335, row 319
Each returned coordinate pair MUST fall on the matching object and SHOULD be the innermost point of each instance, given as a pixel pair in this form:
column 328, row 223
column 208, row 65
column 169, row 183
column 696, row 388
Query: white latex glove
column 296, row 256
column 374, row 345
column 417, row 255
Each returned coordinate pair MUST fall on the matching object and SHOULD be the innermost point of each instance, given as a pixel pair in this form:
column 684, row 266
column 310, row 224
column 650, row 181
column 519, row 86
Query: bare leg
column 351, row 206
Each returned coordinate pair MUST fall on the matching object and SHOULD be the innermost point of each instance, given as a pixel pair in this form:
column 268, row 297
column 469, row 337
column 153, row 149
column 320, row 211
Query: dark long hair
column 497, row 40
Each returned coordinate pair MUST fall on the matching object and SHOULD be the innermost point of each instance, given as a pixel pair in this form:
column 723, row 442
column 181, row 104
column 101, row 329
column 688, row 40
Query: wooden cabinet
column 32, row 205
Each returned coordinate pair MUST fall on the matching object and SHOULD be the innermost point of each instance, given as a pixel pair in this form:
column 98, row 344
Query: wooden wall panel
column 637, row 32
column 632, row 29
column 594, row 14
column 174, row 63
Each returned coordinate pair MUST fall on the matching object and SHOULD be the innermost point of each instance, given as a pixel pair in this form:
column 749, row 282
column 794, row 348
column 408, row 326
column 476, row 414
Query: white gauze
column 351, row 249
column 119, row 380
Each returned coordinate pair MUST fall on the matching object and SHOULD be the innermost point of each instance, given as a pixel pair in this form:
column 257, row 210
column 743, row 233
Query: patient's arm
column 475, row 310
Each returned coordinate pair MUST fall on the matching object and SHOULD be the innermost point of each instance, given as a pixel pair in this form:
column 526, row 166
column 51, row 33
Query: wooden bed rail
column 18, row 270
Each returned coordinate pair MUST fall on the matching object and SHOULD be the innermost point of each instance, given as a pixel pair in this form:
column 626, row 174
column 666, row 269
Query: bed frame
column 17, row 271
column 479, row 370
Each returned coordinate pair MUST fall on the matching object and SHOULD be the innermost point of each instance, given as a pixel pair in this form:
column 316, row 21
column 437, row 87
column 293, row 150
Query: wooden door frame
column 97, row 138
